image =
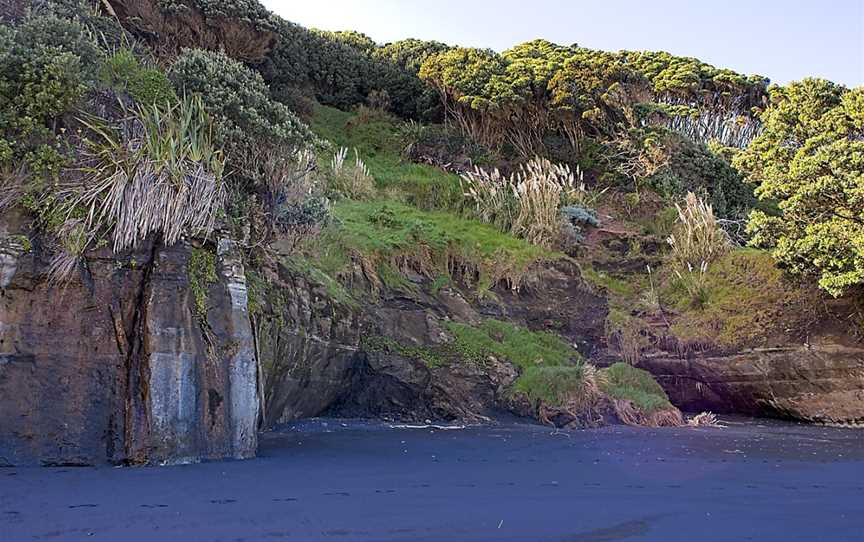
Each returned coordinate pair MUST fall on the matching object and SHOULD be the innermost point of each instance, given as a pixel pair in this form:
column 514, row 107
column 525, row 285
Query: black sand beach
column 352, row 481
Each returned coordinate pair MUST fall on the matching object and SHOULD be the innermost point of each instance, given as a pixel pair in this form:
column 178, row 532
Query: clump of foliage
column 696, row 238
column 696, row 242
column 261, row 138
column 809, row 161
column 694, row 167
column 526, row 203
column 147, row 86
column 297, row 198
column 250, row 124
column 623, row 381
column 201, row 270
column 520, row 96
column 342, row 69
column 243, row 29
column 166, row 178
column 46, row 65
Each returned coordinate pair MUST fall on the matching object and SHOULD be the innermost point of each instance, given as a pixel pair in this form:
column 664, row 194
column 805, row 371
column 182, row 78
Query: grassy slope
column 416, row 219
column 413, row 220
column 376, row 138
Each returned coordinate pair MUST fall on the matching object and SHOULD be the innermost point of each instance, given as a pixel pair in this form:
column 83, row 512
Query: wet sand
column 352, row 481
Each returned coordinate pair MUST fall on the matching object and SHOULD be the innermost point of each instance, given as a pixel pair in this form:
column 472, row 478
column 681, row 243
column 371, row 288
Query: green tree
column 809, row 160
column 47, row 65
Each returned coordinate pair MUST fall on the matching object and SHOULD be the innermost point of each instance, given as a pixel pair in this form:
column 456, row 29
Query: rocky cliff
column 821, row 382
column 150, row 356
column 115, row 366
column 385, row 356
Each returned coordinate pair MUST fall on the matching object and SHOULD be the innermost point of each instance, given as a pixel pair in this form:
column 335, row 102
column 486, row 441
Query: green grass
column 551, row 369
column 623, row 381
column 376, row 137
column 552, row 386
column 744, row 299
column 384, row 232
column 515, row 344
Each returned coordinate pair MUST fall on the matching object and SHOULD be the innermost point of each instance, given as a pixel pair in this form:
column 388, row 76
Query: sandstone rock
column 819, row 382
column 113, row 367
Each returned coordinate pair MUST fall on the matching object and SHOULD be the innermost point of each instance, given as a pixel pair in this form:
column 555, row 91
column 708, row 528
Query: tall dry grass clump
column 492, row 195
column 697, row 237
column 697, row 240
column 526, row 203
column 350, row 179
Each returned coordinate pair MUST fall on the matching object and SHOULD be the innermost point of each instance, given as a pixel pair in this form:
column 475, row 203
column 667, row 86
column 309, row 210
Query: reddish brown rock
column 820, row 382
column 113, row 367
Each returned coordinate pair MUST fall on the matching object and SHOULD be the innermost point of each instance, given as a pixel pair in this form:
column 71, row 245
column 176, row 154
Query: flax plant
column 159, row 171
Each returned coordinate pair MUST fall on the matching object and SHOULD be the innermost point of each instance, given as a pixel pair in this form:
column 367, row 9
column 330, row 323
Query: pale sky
column 781, row 39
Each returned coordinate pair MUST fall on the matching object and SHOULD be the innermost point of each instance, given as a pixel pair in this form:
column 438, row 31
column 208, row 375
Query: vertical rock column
column 242, row 364
column 201, row 397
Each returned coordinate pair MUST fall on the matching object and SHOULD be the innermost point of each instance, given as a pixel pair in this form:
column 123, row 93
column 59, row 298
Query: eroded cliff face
column 321, row 356
column 821, row 382
column 115, row 366
column 325, row 356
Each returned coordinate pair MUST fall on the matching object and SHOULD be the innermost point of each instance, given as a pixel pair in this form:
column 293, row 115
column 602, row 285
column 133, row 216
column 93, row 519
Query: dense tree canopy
column 809, row 160
column 540, row 86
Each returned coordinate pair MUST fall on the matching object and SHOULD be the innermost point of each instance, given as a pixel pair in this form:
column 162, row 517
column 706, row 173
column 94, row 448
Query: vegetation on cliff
column 414, row 166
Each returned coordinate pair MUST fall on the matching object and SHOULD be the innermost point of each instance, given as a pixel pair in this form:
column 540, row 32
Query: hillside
column 248, row 222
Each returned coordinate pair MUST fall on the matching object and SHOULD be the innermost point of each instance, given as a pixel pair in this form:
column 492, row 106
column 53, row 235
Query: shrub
column 697, row 168
column 295, row 196
column 249, row 123
column 46, row 65
column 576, row 219
column 148, row 86
column 807, row 164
